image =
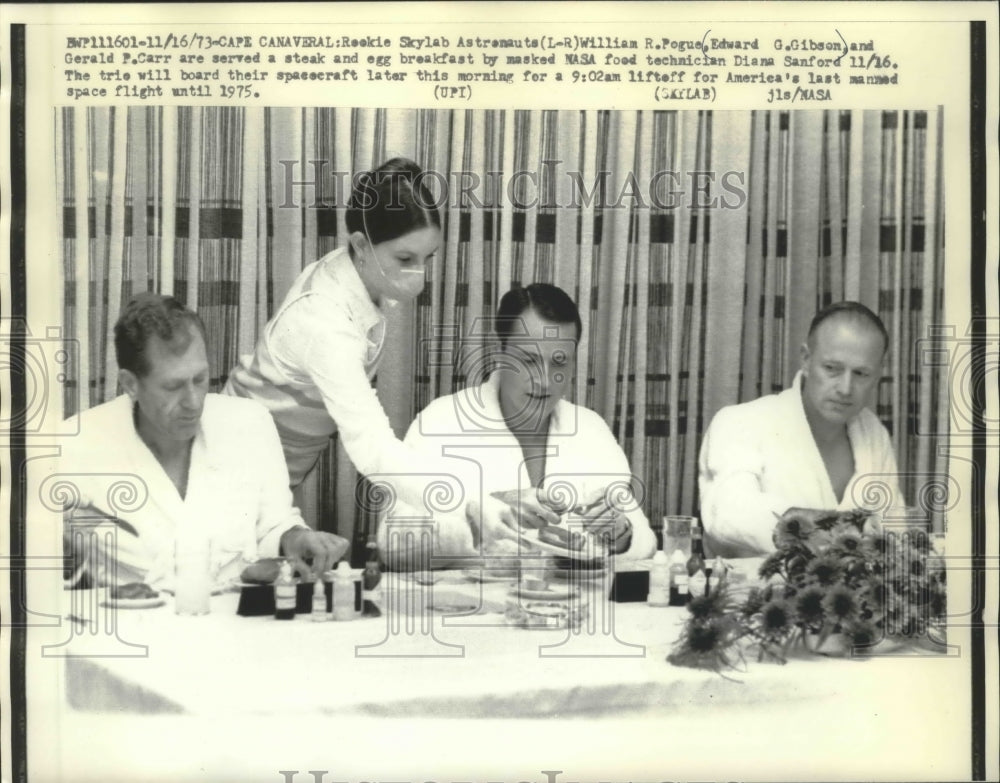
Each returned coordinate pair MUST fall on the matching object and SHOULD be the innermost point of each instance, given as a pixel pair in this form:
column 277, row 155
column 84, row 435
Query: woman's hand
column 530, row 507
column 491, row 521
column 303, row 545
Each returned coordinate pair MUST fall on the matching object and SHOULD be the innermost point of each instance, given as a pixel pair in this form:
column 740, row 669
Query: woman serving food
column 313, row 364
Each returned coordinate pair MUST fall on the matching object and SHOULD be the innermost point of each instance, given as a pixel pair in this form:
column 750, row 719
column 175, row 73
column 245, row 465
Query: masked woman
column 314, row 361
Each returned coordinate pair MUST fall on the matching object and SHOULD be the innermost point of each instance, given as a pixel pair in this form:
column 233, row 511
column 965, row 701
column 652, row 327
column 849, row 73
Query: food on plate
column 132, row 591
column 263, row 572
column 560, row 536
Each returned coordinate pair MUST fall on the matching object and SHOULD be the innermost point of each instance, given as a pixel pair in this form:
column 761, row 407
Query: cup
column 677, row 533
column 192, row 575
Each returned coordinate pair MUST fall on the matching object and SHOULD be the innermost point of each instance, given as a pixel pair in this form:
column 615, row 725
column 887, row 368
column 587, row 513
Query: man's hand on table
column 602, row 519
column 302, row 544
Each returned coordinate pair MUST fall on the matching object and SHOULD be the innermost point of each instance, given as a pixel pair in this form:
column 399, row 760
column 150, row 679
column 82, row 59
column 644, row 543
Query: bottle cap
column 318, row 588
column 678, row 557
column 660, row 557
column 344, row 569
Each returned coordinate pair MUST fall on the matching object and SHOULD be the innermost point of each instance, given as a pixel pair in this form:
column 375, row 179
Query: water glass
column 677, row 533
column 192, row 575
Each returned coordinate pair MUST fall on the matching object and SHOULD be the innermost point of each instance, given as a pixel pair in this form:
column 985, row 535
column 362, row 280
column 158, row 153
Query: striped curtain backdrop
column 698, row 245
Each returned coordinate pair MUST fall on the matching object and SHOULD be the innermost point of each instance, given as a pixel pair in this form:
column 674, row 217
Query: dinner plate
column 585, row 553
column 558, row 592
column 134, row 603
column 564, row 574
column 489, row 574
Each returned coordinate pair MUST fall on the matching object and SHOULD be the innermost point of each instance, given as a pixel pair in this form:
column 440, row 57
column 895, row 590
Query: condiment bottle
column 659, row 580
column 372, row 575
column 698, row 583
column 284, row 592
column 343, row 592
column 696, row 562
column 679, row 592
column 718, row 574
column 319, row 612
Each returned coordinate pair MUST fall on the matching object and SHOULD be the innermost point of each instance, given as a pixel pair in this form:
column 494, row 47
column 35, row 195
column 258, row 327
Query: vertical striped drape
column 697, row 244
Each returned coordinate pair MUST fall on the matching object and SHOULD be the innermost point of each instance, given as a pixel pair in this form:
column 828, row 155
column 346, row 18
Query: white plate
column 588, row 551
column 559, row 592
column 134, row 603
column 490, row 574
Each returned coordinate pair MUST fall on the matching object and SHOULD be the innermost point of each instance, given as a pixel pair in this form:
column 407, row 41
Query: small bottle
column 372, row 575
column 659, row 581
column 696, row 562
column 698, row 583
column 343, row 592
column 284, row 592
column 718, row 574
column 679, row 592
column 319, row 612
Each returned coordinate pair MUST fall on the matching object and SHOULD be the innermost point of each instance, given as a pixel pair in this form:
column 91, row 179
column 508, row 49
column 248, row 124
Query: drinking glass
column 192, row 575
column 677, row 533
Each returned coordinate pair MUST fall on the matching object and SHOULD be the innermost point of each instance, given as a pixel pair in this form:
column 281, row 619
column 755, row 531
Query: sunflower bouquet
column 835, row 579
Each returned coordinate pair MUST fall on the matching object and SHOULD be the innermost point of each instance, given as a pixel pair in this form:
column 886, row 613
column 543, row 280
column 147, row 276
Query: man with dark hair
column 201, row 459
column 517, row 438
column 813, row 446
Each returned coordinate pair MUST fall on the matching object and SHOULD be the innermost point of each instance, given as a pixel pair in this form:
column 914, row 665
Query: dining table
column 447, row 680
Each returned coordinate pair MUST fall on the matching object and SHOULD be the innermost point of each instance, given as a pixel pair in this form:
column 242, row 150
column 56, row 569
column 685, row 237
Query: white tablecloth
column 239, row 678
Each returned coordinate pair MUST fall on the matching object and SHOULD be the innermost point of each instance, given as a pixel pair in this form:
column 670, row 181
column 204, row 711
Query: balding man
column 813, row 446
column 203, row 459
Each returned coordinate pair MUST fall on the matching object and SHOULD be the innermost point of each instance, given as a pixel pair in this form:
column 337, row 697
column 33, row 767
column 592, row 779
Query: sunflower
column 937, row 603
column 791, row 528
column 918, row 567
column 776, row 617
column 847, row 538
column 701, row 607
column 876, row 545
column 824, row 570
column 840, row 603
column 704, row 638
column 809, row 606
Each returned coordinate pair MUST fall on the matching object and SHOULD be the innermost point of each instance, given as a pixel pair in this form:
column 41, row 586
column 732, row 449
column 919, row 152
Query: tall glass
column 192, row 575
column 677, row 534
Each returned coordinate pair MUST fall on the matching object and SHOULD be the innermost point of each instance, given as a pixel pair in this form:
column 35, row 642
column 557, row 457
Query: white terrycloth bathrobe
column 584, row 458
column 237, row 491
column 759, row 459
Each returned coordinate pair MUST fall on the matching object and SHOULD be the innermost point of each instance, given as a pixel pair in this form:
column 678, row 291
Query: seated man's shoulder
column 748, row 413
column 587, row 418
column 98, row 421
column 464, row 411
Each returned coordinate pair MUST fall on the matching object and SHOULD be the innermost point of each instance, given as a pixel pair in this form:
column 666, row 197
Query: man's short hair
column 548, row 301
column 851, row 311
column 150, row 315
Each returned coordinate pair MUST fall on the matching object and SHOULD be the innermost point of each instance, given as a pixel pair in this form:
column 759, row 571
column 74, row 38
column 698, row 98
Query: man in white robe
column 813, row 446
column 167, row 460
column 514, row 437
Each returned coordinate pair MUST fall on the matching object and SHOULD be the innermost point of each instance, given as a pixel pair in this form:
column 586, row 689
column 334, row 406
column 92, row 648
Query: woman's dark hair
column 150, row 315
column 548, row 301
column 391, row 201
